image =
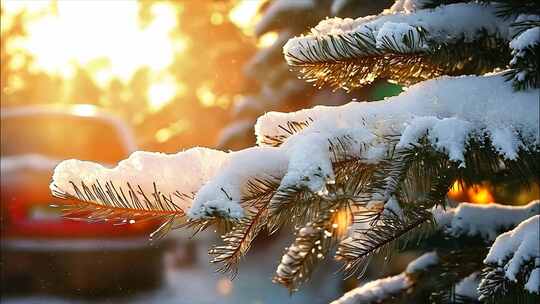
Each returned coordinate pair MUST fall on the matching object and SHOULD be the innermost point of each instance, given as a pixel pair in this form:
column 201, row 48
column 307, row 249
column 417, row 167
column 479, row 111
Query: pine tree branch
column 293, row 205
column 510, row 263
column 313, row 242
column 290, row 128
column 238, row 240
column 496, row 288
column 356, row 60
column 114, row 204
column 382, row 236
column 454, row 266
column 524, row 65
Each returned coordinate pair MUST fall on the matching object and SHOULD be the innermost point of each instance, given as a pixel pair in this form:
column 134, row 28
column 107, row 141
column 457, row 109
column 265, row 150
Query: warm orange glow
column 456, row 190
column 342, row 221
column 480, row 194
column 105, row 37
column 267, row 39
column 244, row 13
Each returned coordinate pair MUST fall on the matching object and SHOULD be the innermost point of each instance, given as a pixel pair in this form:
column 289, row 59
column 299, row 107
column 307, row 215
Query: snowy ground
column 200, row 284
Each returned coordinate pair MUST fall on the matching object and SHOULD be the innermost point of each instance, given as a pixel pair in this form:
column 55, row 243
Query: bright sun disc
column 72, row 35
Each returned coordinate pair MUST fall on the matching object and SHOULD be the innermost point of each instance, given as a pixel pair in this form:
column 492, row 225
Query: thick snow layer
column 397, row 33
column 309, row 159
column 424, row 261
column 486, row 220
column 288, row 163
column 468, row 286
column 513, row 249
column 376, row 290
column 505, row 141
column 533, row 283
column 222, row 193
column 527, row 39
column 449, row 135
column 185, row 172
column 522, row 42
column 439, row 22
column 335, row 26
column 448, row 109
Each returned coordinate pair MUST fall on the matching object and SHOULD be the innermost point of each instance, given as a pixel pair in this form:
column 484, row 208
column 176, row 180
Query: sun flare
column 106, row 38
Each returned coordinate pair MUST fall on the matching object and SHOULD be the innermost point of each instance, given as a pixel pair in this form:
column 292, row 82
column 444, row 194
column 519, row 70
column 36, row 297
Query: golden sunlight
column 342, row 221
column 84, row 31
column 480, row 194
column 105, row 37
column 477, row 194
column 456, row 189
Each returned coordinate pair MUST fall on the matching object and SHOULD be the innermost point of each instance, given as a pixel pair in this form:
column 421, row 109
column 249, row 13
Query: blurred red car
column 40, row 249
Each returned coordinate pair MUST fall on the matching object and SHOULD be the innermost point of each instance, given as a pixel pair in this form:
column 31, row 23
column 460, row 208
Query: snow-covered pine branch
column 408, row 43
column 376, row 291
column 386, row 164
column 384, row 289
column 486, row 221
column 449, row 111
column 511, row 259
column 514, row 258
column 525, row 47
column 515, row 253
column 418, row 128
column 145, row 185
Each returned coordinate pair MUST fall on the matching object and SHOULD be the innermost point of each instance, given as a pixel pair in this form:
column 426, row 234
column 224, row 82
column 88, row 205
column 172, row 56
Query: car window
column 62, row 137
